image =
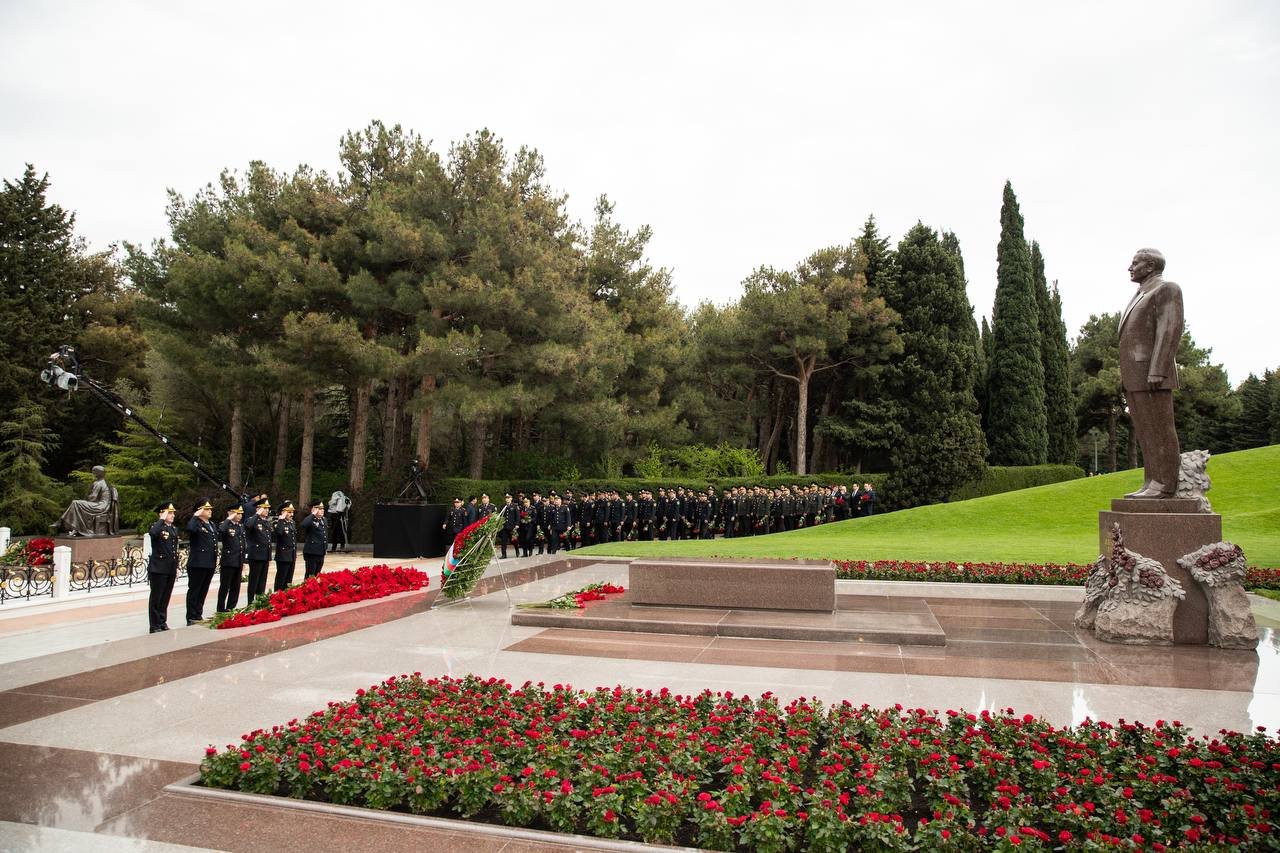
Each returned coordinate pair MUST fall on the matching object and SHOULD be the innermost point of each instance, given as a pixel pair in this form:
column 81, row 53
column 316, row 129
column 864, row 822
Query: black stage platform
column 408, row 530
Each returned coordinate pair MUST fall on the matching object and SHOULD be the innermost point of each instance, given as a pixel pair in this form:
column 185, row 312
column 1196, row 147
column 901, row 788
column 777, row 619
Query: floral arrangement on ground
column 577, row 598
column 469, row 556
column 1069, row 574
column 327, row 589
column 726, row 772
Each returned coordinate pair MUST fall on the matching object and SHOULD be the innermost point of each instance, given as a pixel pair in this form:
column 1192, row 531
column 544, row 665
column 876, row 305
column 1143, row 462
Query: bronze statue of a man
column 99, row 514
column 1150, row 332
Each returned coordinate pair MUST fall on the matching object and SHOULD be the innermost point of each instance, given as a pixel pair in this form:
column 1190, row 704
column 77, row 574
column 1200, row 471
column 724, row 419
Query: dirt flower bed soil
column 726, row 772
column 1068, row 574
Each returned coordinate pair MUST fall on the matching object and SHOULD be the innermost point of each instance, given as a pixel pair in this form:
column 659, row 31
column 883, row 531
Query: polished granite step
column 846, row 626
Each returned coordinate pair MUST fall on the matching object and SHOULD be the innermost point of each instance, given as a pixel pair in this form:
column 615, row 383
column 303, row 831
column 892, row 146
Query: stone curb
column 187, row 787
column 1012, row 591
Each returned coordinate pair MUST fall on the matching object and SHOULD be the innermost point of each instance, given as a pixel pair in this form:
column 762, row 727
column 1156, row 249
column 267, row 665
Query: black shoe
column 155, row 630
column 191, row 622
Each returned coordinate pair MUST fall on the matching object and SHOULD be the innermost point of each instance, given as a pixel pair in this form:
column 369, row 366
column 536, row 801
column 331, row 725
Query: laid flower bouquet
column 327, row 589
column 33, row 552
column 577, row 598
column 469, row 556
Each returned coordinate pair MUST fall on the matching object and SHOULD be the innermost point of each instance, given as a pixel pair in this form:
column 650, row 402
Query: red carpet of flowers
column 1070, row 574
column 35, row 552
column 329, row 589
column 728, row 772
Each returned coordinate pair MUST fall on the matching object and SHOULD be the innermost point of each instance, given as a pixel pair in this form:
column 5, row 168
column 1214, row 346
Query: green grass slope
column 1056, row 523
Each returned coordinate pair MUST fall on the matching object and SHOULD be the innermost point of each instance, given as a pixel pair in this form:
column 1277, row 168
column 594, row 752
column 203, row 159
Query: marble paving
column 90, row 734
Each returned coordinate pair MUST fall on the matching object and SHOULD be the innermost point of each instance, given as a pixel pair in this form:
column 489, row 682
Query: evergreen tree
column 1275, row 406
column 29, row 500
column 1060, row 419
column 940, row 445
column 1017, row 432
column 1252, row 428
column 875, row 253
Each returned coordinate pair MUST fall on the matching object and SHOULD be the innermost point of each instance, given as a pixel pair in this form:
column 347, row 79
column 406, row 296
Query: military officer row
column 228, row 547
column 605, row 516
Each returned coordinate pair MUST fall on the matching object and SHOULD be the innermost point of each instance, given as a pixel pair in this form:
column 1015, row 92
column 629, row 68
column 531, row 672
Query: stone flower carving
column 1193, row 478
column 1140, row 598
column 1220, row 569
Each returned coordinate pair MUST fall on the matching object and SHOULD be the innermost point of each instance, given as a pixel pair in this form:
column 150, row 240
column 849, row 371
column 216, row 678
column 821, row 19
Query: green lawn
column 1056, row 523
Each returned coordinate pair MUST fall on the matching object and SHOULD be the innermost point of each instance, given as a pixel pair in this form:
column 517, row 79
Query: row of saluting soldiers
column 564, row 521
column 228, row 547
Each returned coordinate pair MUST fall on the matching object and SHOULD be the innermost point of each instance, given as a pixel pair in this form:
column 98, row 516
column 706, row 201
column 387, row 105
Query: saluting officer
column 162, row 566
column 314, row 530
column 258, row 534
column 286, row 536
column 231, row 561
column 202, row 560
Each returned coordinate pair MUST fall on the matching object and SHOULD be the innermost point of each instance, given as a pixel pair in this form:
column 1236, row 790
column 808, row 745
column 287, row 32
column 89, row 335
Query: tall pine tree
column 1016, row 429
column 1060, row 420
column 941, row 445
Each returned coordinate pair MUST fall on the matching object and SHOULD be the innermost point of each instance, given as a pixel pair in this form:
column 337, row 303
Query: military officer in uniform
column 526, row 527
column 455, row 522
column 509, row 521
column 286, row 542
column 258, row 534
column 629, row 507
column 202, row 560
column 644, row 516
column 231, row 561
column 162, row 566
column 316, row 535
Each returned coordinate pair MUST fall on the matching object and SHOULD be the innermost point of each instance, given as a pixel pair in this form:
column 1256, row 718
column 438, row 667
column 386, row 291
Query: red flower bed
column 1070, row 574
column 329, row 589
column 728, row 772
column 34, row 552
column 596, row 592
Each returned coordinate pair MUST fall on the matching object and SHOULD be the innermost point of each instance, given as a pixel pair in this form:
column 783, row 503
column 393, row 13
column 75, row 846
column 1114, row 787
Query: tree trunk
column 819, row 440
column 236, row 463
column 308, row 447
column 423, row 448
column 771, row 449
column 803, row 374
column 282, row 444
column 356, row 464
column 391, row 425
column 1111, row 441
column 476, row 449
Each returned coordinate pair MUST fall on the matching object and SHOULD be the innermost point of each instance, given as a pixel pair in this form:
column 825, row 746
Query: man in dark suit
column 202, row 560
column 1150, row 331
column 162, row 566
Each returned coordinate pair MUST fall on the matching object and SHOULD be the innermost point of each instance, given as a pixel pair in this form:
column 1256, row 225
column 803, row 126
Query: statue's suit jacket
column 1150, row 331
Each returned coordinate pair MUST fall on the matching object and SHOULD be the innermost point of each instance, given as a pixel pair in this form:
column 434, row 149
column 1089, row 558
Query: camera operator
column 339, row 506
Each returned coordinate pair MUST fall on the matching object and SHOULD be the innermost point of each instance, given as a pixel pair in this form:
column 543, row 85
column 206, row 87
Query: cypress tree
column 1253, row 426
column 1275, row 407
column 941, row 445
column 1016, row 431
column 875, row 249
column 1059, row 403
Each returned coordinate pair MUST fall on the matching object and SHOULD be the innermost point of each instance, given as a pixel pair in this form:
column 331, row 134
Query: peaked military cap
column 204, row 505
column 167, row 506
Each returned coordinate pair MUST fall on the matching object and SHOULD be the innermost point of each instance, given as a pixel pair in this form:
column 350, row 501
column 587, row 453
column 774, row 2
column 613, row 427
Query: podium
column 409, row 530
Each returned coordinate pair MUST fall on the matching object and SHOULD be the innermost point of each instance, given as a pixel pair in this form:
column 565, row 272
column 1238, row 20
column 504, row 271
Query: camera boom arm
column 54, row 374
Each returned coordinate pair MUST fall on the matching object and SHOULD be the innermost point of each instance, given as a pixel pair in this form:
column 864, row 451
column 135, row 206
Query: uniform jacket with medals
column 286, row 536
column 316, row 533
column 164, row 549
column 231, row 535
column 258, row 535
column 204, row 544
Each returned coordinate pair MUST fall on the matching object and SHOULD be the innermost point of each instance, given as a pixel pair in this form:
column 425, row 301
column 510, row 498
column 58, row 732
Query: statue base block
column 85, row 548
column 1165, row 530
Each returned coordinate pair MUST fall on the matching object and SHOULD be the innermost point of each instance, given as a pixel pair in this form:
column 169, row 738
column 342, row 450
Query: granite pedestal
column 786, row 585
column 98, row 548
column 1165, row 530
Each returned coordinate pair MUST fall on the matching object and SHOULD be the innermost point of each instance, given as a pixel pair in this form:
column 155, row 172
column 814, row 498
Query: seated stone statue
column 98, row 514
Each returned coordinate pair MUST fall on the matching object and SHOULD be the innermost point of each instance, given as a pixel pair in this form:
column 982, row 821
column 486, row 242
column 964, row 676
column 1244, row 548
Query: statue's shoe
column 1152, row 493
column 1140, row 493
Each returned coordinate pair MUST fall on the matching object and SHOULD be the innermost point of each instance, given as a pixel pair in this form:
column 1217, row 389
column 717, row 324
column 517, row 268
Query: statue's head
column 1146, row 263
column 98, row 472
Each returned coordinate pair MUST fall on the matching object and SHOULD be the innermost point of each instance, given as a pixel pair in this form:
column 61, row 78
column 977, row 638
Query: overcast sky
column 743, row 133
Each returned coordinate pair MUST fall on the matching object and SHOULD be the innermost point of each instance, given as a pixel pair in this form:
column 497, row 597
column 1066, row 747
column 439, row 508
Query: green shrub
column 1008, row 479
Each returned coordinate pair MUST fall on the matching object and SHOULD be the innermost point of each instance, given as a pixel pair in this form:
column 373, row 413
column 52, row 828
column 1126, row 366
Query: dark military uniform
column 509, row 519
column 202, row 561
column 258, row 535
column 162, row 570
column 644, row 518
column 558, row 525
column 230, row 563
column 629, row 510
column 527, row 528
column 316, row 536
column 286, row 536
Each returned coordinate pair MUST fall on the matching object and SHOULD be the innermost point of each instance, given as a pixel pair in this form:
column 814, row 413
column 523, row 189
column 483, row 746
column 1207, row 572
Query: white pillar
column 61, row 571
column 5, row 535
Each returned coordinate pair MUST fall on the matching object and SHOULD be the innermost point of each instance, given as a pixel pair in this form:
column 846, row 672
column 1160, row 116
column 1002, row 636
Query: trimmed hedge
column 1010, row 479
